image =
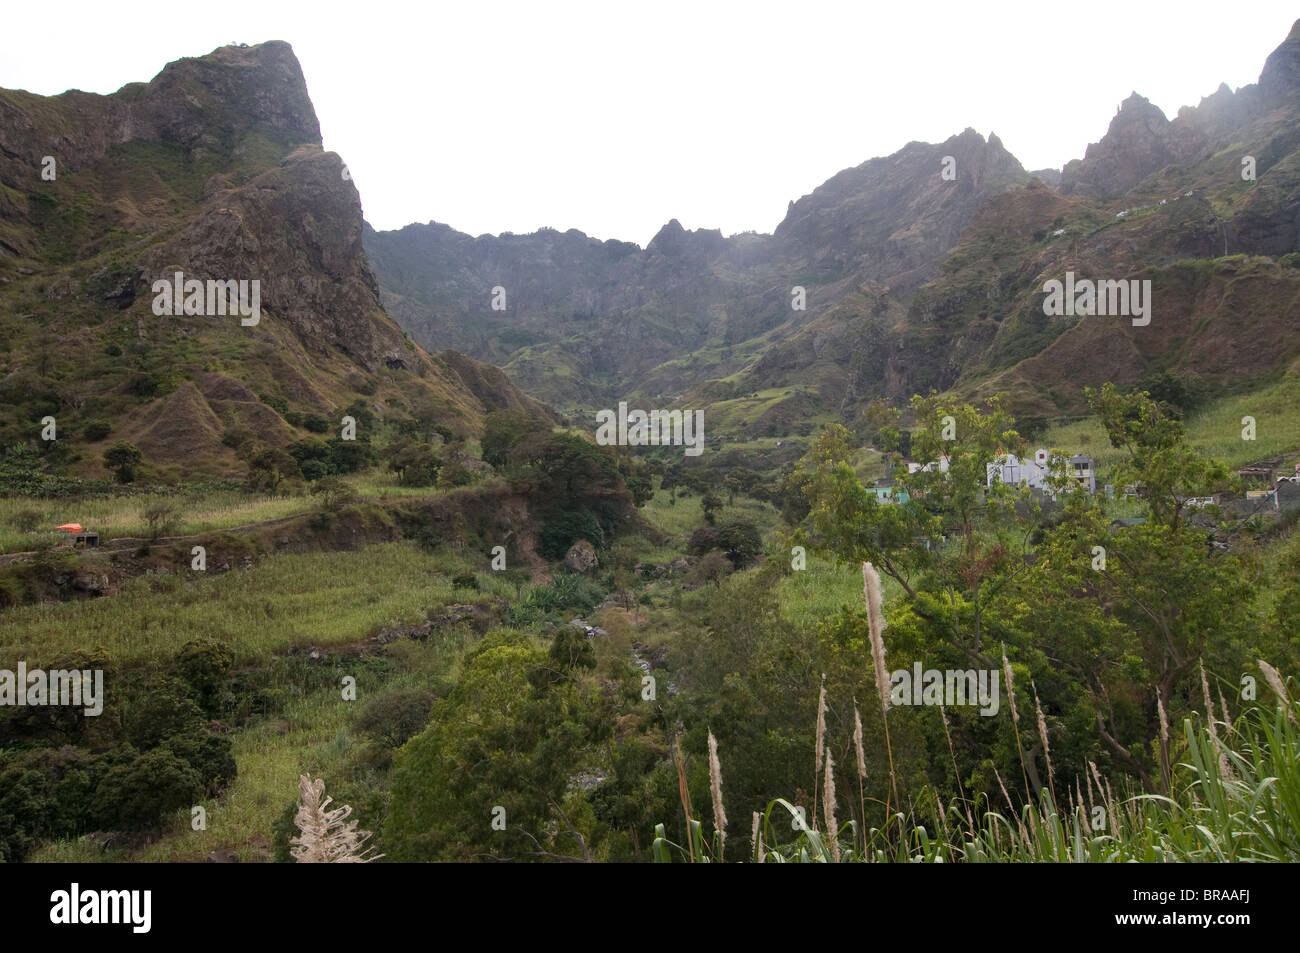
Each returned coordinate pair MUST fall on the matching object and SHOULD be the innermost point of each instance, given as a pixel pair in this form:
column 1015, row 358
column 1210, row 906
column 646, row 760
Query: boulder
column 581, row 557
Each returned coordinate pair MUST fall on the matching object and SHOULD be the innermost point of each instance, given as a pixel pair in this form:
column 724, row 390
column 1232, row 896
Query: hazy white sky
column 613, row 117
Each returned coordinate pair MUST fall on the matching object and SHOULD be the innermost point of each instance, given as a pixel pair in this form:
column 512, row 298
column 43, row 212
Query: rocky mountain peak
column 1280, row 79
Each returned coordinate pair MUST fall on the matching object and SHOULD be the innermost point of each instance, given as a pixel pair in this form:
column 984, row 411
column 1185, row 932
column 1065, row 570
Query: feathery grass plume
column 1097, row 775
column 828, row 809
column 683, row 792
column 876, row 627
column 715, row 791
column 1164, row 739
column 1015, row 718
column 1225, row 769
column 1011, row 686
column 862, row 774
column 1209, row 705
column 754, row 841
column 1275, row 682
column 1223, row 706
column 1007, row 797
column 819, row 742
column 1042, row 734
column 857, row 742
column 326, row 836
column 1024, row 834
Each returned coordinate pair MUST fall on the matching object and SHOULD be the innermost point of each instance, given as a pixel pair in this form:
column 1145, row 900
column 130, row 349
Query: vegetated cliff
column 214, row 169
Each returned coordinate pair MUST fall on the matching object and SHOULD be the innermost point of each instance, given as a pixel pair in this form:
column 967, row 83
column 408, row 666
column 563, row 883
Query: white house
column 1035, row 473
column 1084, row 472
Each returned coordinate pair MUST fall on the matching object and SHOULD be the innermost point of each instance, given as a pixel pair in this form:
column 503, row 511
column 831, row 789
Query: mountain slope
column 914, row 282
column 214, row 169
column 593, row 322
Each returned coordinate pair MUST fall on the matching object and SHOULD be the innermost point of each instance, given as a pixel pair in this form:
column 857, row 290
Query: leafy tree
column 710, row 503
column 507, row 736
column 270, row 468
column 335, row 493
column 503, row 430
column 313, row 457
column 739, row 540
column 134, row 795
column 1159, row 463
column 350, row 456
column 123, row 458
column 414, row 462
column 205, row 664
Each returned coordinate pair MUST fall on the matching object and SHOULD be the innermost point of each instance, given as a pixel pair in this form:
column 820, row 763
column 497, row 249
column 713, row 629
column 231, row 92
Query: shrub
column 163, row 709
column 335, row 493
column 392, row 717
column 96, row 430
column 134, row 796
column 204, row 664
column 144, row 385
column 571, row 649
column 161, row 518
column 278, row 404
column 567, row 528
column 27, row 520
column 712, row 567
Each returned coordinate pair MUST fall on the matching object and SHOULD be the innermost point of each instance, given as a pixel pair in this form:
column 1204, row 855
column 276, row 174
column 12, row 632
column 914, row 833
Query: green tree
column 335, row 493
column 1164, row 470
column 507, row 736
column 270, row 468
column 710, row 503
column 123, row 458
column 503, row 430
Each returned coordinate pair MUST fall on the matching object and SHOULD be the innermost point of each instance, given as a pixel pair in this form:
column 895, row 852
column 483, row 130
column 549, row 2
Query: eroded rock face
column 1136, row 145
column 256, row 88
column 297, row 230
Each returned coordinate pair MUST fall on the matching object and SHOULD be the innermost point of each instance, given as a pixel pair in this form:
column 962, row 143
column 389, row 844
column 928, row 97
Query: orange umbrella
column 71, row 527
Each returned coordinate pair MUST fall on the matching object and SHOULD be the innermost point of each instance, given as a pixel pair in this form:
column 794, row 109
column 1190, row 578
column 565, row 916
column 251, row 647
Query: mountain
column 590, row 322
column 914, row 281
column 213, row 169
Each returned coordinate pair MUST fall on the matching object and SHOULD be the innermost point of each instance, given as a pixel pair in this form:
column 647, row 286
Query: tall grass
column 1236, row 798
column 116, row 516
column 323, row 598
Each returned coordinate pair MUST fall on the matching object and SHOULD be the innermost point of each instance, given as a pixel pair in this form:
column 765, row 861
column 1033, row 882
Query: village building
column 888, row 494
column 1035, row 473
column 1261, row 472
